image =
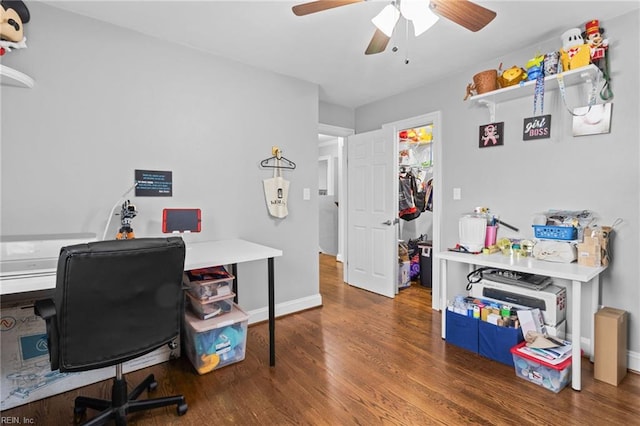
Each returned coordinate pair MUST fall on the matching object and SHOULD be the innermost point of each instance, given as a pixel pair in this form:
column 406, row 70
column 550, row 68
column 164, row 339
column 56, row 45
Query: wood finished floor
column 360, row 359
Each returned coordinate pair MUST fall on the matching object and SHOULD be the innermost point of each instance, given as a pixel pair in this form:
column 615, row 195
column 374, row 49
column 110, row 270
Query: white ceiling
column 327, row 48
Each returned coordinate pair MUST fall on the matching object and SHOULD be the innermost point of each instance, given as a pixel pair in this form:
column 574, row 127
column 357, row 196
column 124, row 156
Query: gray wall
column 336, row 115
column 108, row 101
column 599, row 173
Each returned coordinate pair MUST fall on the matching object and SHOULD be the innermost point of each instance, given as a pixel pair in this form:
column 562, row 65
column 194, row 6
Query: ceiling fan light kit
column 419, row 13
column 422, row 13
column 386, row 20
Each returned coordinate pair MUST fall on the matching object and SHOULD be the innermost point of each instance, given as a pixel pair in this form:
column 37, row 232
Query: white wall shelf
column 12, row 77
column 588, row 74
column 571, row 78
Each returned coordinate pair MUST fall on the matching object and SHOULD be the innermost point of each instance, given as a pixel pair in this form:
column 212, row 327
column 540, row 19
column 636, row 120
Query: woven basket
column 486, row 81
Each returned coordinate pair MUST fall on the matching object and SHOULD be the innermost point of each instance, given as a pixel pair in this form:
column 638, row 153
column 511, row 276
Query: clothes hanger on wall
column 277, row 161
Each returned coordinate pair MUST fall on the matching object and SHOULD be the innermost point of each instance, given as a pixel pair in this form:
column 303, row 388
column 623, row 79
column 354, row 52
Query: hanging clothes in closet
column 415, row 193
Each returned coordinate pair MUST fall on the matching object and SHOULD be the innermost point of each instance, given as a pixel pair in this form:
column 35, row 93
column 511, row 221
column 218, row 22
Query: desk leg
column 234, row 285
column 443, row 296
column 576, row 359
column 272, row 320
column 595, row 303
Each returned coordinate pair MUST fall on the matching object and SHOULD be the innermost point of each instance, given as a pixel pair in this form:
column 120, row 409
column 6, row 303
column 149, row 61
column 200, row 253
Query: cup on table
column 490, row 235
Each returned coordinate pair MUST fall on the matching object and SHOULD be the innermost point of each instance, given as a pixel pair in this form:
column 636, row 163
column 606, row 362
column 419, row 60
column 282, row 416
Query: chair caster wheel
column 79, row 414
column 182, row 409
column 152, row 386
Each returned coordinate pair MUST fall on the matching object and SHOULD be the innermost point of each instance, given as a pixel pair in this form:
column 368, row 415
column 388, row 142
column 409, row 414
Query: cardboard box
column 589, row 253
column 25, row 372
column 610, row 355
column 600, row 235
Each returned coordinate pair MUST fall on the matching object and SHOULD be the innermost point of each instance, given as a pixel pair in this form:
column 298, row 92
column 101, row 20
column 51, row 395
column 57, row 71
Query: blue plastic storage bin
column 549, row 232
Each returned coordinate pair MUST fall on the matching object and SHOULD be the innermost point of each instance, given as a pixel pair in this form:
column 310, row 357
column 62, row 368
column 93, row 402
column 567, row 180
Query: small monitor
column 181, row 220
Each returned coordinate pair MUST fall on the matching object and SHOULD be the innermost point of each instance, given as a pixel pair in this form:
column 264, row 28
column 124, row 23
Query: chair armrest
column 46, row 309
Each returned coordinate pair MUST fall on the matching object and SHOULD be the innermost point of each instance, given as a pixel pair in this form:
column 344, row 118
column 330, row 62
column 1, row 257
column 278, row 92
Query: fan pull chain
column 406, row 39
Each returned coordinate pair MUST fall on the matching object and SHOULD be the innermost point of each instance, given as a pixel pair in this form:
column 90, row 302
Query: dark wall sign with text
column 491, row 135
column 153, row 183
column 536, row 128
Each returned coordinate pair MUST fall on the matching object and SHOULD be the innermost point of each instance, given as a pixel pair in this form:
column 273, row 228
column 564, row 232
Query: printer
column 551, row 300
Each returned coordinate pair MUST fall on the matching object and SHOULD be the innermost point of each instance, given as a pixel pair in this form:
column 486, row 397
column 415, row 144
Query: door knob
column 389, row 222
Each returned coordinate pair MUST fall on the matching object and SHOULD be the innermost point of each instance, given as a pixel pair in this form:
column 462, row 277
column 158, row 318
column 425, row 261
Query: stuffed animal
column 575, row 53
column 599, row 46
column 597, row 43
column 511, row 76
column 535, row 67
column 13, row 16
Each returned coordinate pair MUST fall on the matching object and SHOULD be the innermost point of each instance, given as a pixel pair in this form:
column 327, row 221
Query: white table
column 198, row 255
column 577, row 274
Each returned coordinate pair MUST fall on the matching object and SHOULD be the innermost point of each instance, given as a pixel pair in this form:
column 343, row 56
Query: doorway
column 334, row 137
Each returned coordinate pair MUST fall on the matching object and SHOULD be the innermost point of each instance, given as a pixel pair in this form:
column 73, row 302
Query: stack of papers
column 539, row 344
column 552, row 356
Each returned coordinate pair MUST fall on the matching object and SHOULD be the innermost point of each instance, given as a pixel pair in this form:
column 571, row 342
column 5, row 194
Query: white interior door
column 372, row 212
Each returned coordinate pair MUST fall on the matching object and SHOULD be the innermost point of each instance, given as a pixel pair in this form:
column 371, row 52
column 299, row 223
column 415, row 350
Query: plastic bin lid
column 236, row 315
column 561, row 366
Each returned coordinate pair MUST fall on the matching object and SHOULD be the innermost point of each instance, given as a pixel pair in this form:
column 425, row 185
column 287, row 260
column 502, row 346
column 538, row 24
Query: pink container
column 490, row 236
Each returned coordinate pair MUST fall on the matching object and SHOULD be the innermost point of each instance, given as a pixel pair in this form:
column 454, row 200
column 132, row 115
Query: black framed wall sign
column 491, row 134
column 536, row 127
column 154, row 183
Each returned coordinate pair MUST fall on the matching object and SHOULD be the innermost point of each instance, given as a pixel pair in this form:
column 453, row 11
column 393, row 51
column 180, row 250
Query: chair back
column 117, row 300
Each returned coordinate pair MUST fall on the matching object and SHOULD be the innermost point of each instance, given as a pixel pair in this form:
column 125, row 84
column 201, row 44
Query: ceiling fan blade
column 463, row 12
column 319, row 6
column 378, row 43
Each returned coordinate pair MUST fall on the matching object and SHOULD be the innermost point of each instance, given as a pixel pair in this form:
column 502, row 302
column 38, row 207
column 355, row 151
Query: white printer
column 551, row 300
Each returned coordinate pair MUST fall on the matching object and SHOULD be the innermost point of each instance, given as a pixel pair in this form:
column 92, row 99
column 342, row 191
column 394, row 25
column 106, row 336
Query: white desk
column 198, row 255
column 577, row 274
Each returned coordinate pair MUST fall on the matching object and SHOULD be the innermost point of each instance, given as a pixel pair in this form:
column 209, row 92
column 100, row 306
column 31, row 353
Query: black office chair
column 115, row 301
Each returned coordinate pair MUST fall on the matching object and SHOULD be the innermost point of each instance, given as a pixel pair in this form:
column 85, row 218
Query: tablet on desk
column 181, row 220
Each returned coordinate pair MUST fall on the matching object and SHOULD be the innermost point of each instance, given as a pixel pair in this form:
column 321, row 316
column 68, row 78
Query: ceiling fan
column 422, row 13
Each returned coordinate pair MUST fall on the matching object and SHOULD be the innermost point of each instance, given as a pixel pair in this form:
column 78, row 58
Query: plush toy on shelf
column 511, row 76
column 575, row 53
column 535, row 67
column 599, row 46
column 597, row 43
column 13, row 16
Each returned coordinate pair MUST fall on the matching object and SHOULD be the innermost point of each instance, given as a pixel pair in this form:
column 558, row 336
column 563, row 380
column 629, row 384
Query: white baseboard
column 633, row 361
column 286, row 308
column 633, row 358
